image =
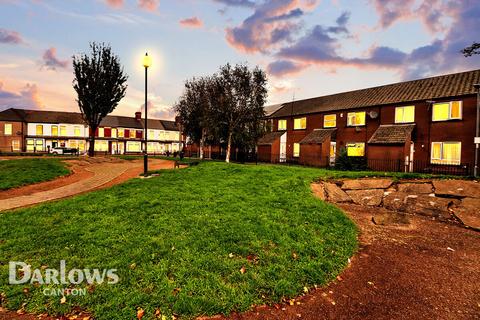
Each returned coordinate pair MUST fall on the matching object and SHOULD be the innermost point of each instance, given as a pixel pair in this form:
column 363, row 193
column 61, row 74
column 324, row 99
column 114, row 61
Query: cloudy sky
column 308, row 47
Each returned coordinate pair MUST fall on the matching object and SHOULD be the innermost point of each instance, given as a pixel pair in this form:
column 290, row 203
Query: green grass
column 170, row 238
column 16, row 173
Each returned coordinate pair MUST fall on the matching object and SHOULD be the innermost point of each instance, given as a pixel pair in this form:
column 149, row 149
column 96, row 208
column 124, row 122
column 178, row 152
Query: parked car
column 63, row 150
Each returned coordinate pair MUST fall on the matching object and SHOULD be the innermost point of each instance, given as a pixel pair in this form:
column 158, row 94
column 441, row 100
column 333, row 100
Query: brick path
column 103, row 174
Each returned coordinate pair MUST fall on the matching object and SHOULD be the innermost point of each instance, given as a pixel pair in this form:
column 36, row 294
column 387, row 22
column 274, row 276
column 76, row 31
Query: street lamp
column 477, row 129
column 147, row 62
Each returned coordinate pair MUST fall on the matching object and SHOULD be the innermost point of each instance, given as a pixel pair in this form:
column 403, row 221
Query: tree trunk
column 91, row 147
column 229, row 147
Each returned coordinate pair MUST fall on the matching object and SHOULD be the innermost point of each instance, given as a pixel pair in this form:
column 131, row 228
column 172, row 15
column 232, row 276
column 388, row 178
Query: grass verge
column 179, row 242
column 16, row 173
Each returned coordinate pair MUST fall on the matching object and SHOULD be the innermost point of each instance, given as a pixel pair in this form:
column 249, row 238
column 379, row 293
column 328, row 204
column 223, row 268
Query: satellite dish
column 373, row 114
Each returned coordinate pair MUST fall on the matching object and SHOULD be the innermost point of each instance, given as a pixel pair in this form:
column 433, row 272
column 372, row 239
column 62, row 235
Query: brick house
column 408, row 126
column 39, row 131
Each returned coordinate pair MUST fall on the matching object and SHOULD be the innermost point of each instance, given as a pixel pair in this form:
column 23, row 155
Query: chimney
column 138, row 116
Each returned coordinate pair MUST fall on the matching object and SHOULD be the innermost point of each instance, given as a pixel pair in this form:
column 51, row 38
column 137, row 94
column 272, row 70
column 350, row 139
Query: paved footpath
column 103, row 173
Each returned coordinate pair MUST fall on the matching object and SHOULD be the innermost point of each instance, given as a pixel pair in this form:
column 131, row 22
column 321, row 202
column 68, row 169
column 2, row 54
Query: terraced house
column 39, row 131
column 414, row 126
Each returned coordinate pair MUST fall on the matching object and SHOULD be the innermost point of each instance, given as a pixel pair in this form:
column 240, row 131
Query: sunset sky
column 308, row 48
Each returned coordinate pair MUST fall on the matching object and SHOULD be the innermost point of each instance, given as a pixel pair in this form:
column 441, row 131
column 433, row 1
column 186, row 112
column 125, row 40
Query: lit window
column 296, row 149
column 114, row 133
column 356, row 119
column 162, row 135
column 151, row 134
column 30, row 144
column 63, row 131
column 8, row 129
column 54, row 130
column 447, row 111
column 132, row 133
column 39, row 130
column 282, row 125
column 405, row 114
column 76, row 131
column 16, row 145
column 300, row 123
column 121, row 133
column 38, row 144
column 134, row 146
column 356, row 149
column 101, row 132
column 101, row 145
column 330, row 121
column 446, row 152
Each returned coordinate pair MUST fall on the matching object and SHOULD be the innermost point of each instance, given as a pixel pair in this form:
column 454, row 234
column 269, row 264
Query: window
column 296, row 149
column 30, row 144
column 282, row 125
column 405, row 114
column 151, row 134
column 39, row 130
column 101, row 145
column 15, row 145
column 447, row 111
column 76, row 131
column 356, row 149
column 34, row 144
column 121, row 133
column 446, row 152
column 134, row 146
column 330, row 121
column 54, row 130
column 8, row 129
column 132, row 133
column 300, row 123
column 114, row 133
column 63, row 131
column 356, row 119
column 101, row 132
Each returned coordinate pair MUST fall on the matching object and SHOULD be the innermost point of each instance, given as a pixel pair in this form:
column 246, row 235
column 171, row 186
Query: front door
column 333, row 153
column 283, row 148
column 114, row 147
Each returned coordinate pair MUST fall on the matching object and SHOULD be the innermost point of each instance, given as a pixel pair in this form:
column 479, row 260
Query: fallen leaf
column 132, row 266
column 339, row 278
column 292, row 302
column 243, row 270
column 176, row 291
column 157, row 312
column 450, row 249
column 305, row 289
column 370, row 283
column 140, row 313
column 63, row 300
column 294, row 255
column 333, row 303
column 86, row 318
column 230, row 255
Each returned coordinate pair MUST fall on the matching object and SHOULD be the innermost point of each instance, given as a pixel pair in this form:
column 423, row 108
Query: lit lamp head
column 147, row 60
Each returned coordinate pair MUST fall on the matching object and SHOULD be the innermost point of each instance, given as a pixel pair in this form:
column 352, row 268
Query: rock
column 319, row 190
column 468, row 211
column 372, row 197
column 396, row 201
column 388, row 218
column 335, row 194
column 415, row 188
column 430, row 206
column 457, row 188
column 359, row 184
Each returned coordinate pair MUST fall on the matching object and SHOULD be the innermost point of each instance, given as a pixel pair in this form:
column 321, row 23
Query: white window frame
column 403, row 120
column 441, row 160
column 9, row 125
column 283, row 128
column 300, row 120
column 355, row 115
column 449, row 110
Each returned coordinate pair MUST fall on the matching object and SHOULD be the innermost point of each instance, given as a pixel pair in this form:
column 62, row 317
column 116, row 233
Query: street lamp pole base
column 145, row 164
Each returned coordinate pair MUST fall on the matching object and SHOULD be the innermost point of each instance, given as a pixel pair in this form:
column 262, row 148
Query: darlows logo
column 21, row 273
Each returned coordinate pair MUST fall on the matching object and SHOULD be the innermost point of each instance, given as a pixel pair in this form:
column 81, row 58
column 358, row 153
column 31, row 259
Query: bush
column 346, row 163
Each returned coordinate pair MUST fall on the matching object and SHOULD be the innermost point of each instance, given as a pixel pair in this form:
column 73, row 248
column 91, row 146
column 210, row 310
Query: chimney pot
column 138, row 116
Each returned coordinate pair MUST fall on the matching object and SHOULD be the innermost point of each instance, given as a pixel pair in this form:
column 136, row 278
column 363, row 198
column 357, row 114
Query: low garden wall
column 445, row 200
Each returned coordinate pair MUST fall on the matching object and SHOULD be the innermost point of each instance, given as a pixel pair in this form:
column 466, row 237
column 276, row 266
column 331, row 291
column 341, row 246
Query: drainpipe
column 477, row 129
column 430, row 120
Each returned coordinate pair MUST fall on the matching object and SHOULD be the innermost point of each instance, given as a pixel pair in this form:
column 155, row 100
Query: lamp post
column 477, row 129
column 147, row 62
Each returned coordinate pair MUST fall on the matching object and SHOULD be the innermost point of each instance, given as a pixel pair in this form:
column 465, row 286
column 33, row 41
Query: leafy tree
column 100, row 83
column 238, row 95
column 194, row 111
column 471, row 50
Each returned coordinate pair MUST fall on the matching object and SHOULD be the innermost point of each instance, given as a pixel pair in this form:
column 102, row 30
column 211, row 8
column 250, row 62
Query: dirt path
column 86, row 176
column 425, row 270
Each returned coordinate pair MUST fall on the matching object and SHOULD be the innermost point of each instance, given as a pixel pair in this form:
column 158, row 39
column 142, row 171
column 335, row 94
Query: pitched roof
column 392, row 134
column 270, row 109
column 317, row 136
column 44, row 116
column 450, row 85
column 270, row 138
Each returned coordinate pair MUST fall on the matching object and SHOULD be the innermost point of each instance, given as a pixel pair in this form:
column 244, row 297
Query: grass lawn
column 16, row 173
column 179, row 242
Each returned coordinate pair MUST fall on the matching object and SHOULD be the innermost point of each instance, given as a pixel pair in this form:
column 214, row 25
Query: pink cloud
column 149, row 5
column 115, row 3
column 161, row 112
column 192, row 22
column 10, row 37
column 27, row 97
column 50, row 60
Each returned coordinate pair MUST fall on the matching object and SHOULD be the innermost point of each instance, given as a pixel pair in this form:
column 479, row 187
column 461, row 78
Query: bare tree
column 100, row 83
